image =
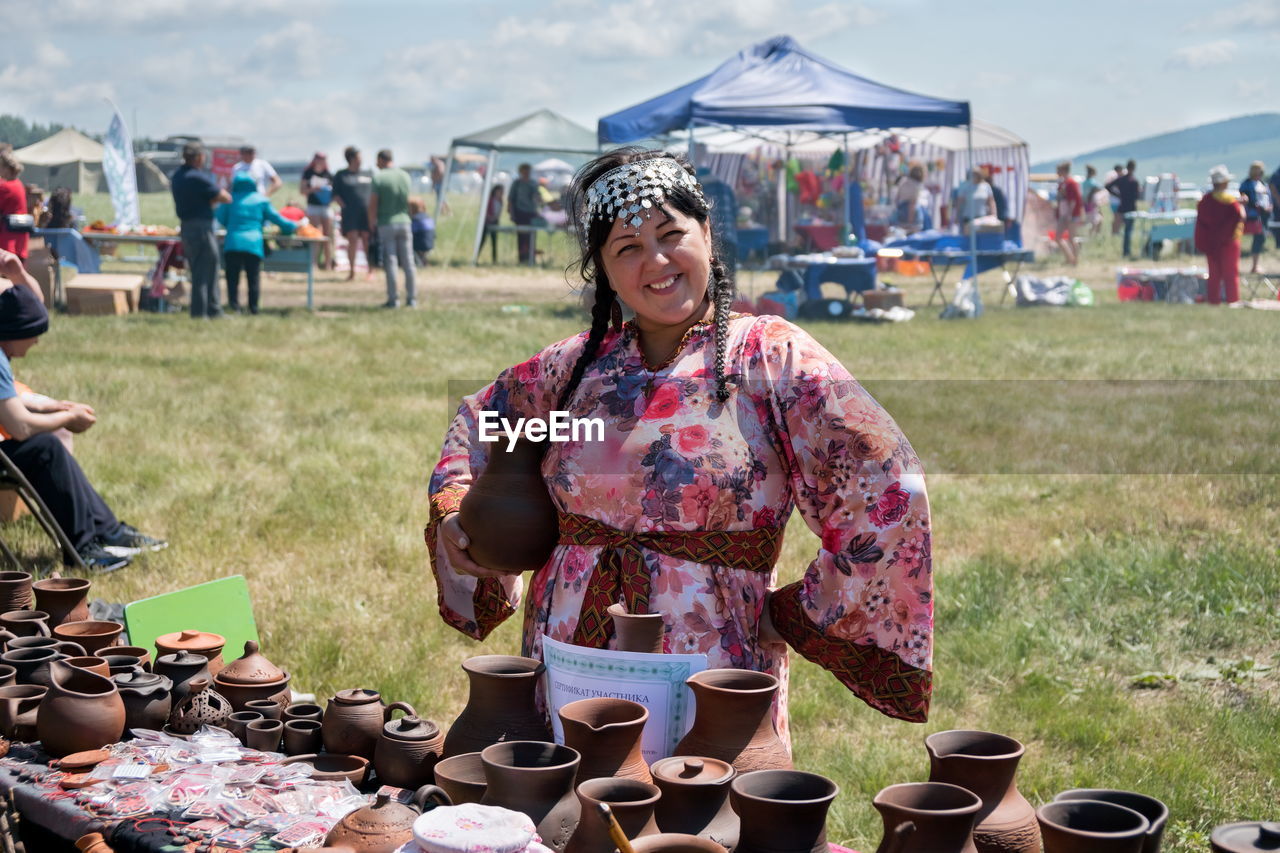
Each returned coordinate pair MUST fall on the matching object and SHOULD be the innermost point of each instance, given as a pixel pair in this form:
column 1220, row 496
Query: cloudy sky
column 295, row 76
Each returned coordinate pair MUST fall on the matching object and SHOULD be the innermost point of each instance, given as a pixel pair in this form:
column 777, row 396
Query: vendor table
column 1168, row 225
column 752, row 240
column 855, row 275
column 942, row 260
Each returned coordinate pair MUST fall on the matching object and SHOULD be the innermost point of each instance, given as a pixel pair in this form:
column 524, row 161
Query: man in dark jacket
column 1125, row 188
column 195, row 192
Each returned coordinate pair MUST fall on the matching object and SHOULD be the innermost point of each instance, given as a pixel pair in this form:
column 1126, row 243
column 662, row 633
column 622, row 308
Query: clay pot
column 204, row 643
column 202, row 706
column 674, row 842
column 606, row 732
column 1156, row 812
column 385, row 826
column 782, row 811
column 5, row 636
column 1090, row 826
column 93, row 842
column 26, row 623
column 64, row 599
column 407, row 751
column 302, row 737
column 734, row 720
column 251, row 676
column 146, row 698
column 120, row 664
column 333, row 767
column 303, row 711
column 632, row 803
column 695, row 798
column 141, row 655
column 353, row 721
column 1245, row 837
column 81, row 711
column 93, row 634
column 32, row 665
column 182, row 669
column 269, row 708
column 943, row 815
column 264, row 735
column 19, row 705
column 637, row 632
column 508, row 513
column 535, row 778
column 986, row 764
column 15, row 591
column 8, row 675
column 65, row 646
column 462, row 777
column 93, row 663
column 500, row 705
column 237, row 723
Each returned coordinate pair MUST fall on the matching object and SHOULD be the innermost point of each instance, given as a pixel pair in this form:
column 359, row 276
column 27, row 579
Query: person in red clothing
column 1070, row 211
column 13, row 200
column 1219, row 224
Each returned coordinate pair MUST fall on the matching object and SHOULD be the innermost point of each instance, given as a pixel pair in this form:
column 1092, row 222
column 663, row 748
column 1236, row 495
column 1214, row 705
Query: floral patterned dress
column 798, row 432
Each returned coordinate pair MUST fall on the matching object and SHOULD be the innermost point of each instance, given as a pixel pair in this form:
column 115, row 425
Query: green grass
column 1122, row 625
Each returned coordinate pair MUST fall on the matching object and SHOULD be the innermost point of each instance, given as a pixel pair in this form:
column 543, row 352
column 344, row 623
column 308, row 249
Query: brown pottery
column 66, row 647
column 238, row 722
column 120, row 664
column 302, row 711
column 264, row 735
column 93, row 663
column 943, row 815
column 734, row 721
column 333, row 767
column 202, row 706
column 32, row 665
column 606, row 732
column 385, row 826
column 182, row 669
column 535, row 778
column 632, row 803
column 141, row 655
column 64, row 599
column 674, row 842
column 81, row 711
column 26, row 623
column 462, row 777
column 251, row 676
column 1156, row 812
column 407, row 750
column 500, row 705
column 637, row 632
column 19, row 706
column 508, row 513
column 146, row 698
column 782, row 811
column 987, row 763
column 302, row 737
column 353, row 721
column 15, row 591
column 204, row 643
column 269, row 708
column 1090, row 826
column 1246, row 837
column 8, row 675
column 695, row 798
column 93, row 634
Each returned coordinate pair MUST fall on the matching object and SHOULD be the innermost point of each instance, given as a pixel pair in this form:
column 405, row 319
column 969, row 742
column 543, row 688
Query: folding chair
column 13, row 480
column 1257, row 282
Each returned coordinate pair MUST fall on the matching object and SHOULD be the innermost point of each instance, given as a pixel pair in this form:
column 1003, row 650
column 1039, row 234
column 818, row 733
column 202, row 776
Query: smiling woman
column 716, row 426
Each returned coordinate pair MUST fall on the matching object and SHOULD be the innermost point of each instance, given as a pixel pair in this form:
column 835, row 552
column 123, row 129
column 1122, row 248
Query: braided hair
column 605, row 304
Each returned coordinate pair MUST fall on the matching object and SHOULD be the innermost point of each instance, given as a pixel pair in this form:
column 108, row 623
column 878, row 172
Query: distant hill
column 1190, row 153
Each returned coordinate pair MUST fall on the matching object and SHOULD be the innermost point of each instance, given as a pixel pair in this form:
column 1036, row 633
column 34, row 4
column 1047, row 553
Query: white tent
column 67, row 159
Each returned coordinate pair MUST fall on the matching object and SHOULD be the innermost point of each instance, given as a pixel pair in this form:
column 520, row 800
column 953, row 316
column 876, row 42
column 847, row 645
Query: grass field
column 1123, row 625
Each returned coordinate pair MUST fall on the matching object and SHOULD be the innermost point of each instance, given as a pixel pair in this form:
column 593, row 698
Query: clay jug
column 407, row 751
column 943, row 816
column 1156, row 812
column 782, row 811
column 8, row 675
column 675, row 842
column 146, row 698
column 1245, row 837
column 535, row 778
column 733, row 721
column 81, row 711
column 500, row 705
column 695, row 798
column 986, row 764
column 26, row 623
column 462, row 777
column 1091, row 826
column 64, row 599
column 32, row 665
column 385, row 826
column 632, row 803
column 65, row 646
column 15, row 591
column 353, row 721
column 19, row 705
column 182, row 669
column 637, row 632
column 508, row 513
column 606, row 733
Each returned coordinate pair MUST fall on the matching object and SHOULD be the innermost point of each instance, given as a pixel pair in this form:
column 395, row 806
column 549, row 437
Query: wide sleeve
column 288, row 226
column 864, row 607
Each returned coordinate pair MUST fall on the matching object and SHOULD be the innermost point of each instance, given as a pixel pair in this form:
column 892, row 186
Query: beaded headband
column 634, row 190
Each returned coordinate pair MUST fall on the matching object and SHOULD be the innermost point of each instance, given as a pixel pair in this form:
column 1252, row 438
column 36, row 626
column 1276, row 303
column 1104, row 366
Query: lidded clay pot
column 182, row 669
column 987, row 763
column 535, row 778
column 500, row 705
column 1156, row 812
column 1246, row 837
column 695, row 798
column 508, row 513
column 632, row 803
column 353, row 721
column 203, row 706
column 407, row 750
column 637, row 632
column 383, row 827
column 606, row 732
column 64, row 599
column 204, row 643
column 81, row 711
column 782, row 811
column 251, row 676
column 1090, row 826
column 146, row 698
column 734, row 720
column 943, row 815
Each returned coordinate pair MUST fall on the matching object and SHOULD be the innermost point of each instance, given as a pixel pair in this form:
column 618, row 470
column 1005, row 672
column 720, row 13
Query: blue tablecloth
column 855, row 275
column 71, row 248
column 752, row 240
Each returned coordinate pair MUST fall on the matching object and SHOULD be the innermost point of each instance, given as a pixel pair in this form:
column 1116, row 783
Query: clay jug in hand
column 81, row 711
column 637, row 632
column 782, row 811
column 535, row 778
column 508, row 513
column 607, row 733
column 500, row 705
column 734, row 720
column 986, row 764
column 943, row 816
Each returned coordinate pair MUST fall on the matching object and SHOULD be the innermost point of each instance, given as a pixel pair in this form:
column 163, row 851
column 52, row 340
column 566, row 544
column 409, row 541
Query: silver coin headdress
column 634, row 190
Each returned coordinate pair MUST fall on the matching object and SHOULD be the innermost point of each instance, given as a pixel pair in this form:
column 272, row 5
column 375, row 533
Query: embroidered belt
column 622, row 575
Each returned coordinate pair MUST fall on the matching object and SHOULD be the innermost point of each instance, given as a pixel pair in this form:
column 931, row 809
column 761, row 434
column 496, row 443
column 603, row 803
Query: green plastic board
column 220, row 606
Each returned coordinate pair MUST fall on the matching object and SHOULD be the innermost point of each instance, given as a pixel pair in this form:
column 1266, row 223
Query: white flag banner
column 122, row 180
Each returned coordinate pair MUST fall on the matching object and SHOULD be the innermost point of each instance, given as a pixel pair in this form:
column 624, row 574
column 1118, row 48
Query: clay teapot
column 695, row 798
column 500, row 705
column 1156, row 812
column 1245, row 837
column 81, row 711
column 734, row 720
column 385, row 826
column 64, row 599
column 19, row 704
column 637, row 632
column 986, row 763
column 251, row 676
column 146, row 698
column 202, row 706
column 407, row 750
column 606, row 732
column 632, row 803
column 535, row 778
column 508, row 513
column 15, row 591
column 353, row 721
column 204, row 643
column 943, row 816
column 1091, row 826
column 782, row 811
column 181, row 669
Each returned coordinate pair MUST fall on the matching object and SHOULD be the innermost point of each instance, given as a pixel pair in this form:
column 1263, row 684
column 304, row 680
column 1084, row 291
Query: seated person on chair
column 103, row 542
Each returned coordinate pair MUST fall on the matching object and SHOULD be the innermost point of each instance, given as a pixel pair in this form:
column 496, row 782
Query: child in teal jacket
column 243, row 218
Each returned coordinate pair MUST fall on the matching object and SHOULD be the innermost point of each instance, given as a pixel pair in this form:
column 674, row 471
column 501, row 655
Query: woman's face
column 659, row 270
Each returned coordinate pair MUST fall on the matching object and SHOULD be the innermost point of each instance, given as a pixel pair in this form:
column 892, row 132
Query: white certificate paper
column 654, row 681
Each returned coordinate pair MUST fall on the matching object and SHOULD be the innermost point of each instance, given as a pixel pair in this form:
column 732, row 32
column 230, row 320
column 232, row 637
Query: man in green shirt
column 389, row 212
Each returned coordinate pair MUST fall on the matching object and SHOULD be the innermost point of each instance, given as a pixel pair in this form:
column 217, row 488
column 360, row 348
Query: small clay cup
column 238, row 723
column 1156, row 812
column 93, row 634
column 142, row 655
column 462, row 777
column 268, row 708
column 303, row 711
column 1091, row 826
column 8, row 675
column 92, row 663
column 264, row 735
column 26, row 623
column 15, row 590
column 301, row 737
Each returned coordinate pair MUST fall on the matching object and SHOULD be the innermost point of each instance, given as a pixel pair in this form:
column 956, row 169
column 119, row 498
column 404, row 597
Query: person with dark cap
column 195, row 192
column 103, row 542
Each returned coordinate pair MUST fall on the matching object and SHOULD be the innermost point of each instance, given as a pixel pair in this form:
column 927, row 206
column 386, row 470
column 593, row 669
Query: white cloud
column 1199, row 56
column 93, row 15
column 49, row 56
column 1251, row 15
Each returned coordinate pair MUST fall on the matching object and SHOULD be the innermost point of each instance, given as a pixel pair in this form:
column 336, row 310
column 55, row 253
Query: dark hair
column 385, row 154
column 192, row 152
column 248, row 149
column 350, row 152
column 591, row 269
column 60, row 209
column 1131, row 165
